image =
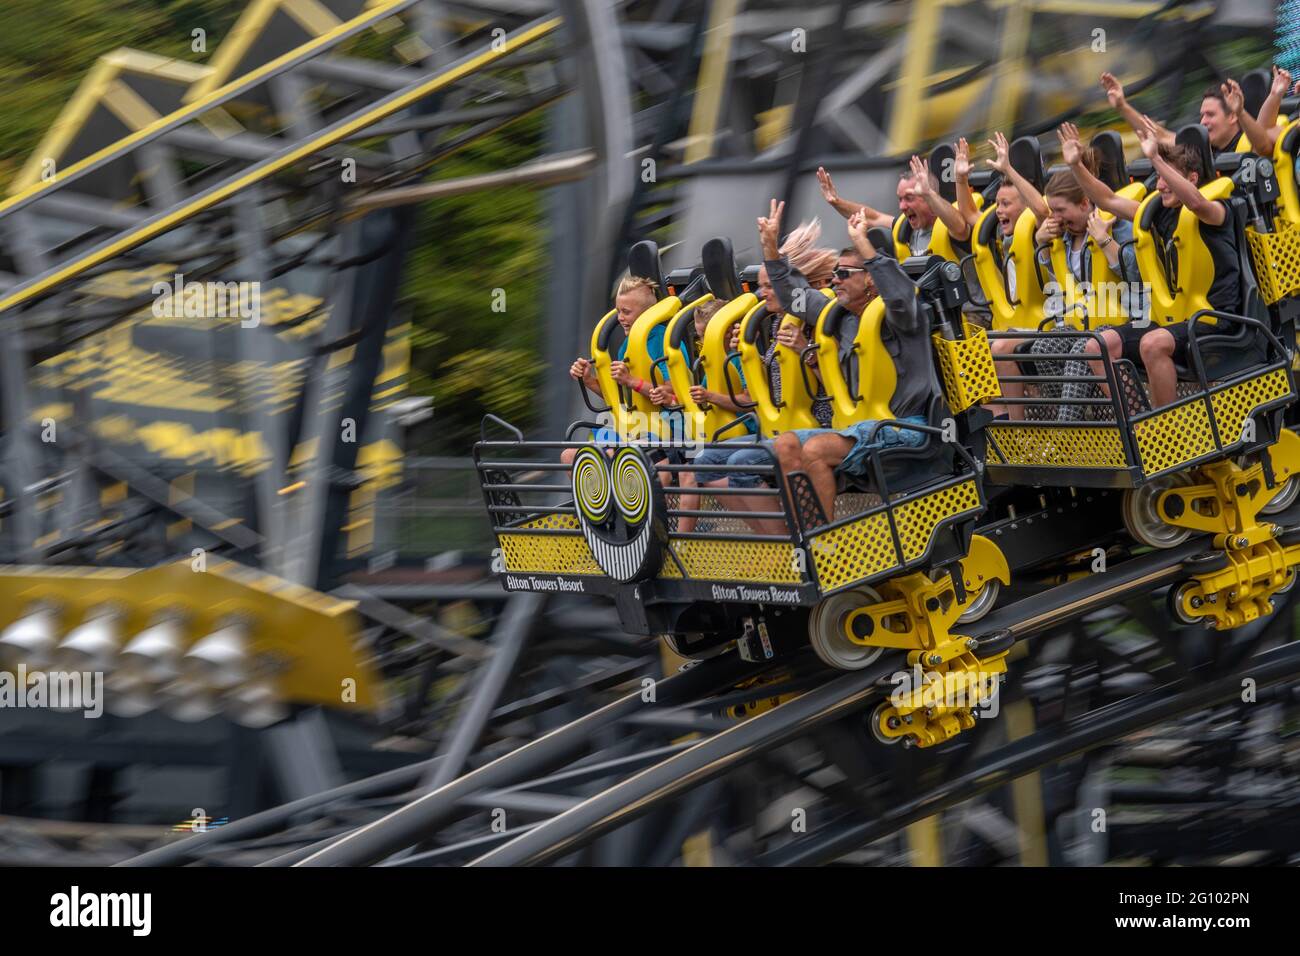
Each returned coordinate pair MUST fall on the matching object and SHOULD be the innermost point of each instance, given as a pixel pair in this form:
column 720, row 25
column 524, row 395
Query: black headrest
column 686, row 283
column 1254, row 90
column 882, row 239
column 749, row 278
column 989, row 227
column 1289, row 140
column 719, row 262
column 682, row 329
column 643, row 261
column 942, row 162
column 833, row 319
column 1027, row 160
column 1109, row 149
column 606, row 335
column 981, row 179
column 1196, row 136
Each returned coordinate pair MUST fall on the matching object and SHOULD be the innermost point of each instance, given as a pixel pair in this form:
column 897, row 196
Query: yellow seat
column 1179, row 299
column 1026, row 310
column 1093, row 299
column 634, row 415
column 793, row 407
column 1284, row 157
column 713, row 365
column 876, row 374
column 941, row 241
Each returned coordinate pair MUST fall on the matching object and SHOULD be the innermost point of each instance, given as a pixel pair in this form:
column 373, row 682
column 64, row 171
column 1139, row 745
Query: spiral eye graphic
column 591, row 485
column 631, row 486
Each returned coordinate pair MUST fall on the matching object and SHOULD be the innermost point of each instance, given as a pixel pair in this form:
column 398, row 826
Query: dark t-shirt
column 1240, row 139
column 1225, row 290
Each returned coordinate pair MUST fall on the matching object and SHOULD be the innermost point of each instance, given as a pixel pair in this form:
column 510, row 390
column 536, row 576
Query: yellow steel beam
column 1027, row 791
column 270, row 167
column 712, row 82
column 202, row 96
column 907, row 111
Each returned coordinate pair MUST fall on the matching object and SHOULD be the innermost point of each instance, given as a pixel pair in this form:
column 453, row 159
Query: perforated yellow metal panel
column 1276, row 258
column 1232, row 405
column 1069, row 447
column 967, row 368
column 853, row 552
column 917, row 519
column 767, row 561
column 551, row 521
column 1174, row 436
column 548, row 553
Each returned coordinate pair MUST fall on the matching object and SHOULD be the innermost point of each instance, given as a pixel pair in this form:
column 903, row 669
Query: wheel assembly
column 1142, row 518
column 876, row 716
column 826, row 630
column 1284, row 498
column 1175, row 602
column 983, row 602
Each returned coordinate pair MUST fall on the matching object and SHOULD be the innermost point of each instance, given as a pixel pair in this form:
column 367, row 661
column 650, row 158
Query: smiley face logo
column 621, row 509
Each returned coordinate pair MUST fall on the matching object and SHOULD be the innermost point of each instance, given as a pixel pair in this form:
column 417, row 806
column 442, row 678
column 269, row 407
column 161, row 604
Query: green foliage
column 470, row 358
column 48, row 47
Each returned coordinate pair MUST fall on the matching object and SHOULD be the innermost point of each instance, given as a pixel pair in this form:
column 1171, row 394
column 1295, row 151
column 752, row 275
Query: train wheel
column 1175, row 603
column 1290, row 582
column 1142, row 519
column 1284, row 498
column 983, row 602
column 826, row 630
column 876, row 732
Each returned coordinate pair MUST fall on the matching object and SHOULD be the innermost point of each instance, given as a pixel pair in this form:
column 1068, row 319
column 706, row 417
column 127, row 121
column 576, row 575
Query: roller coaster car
column 1216, row 461
column 892, row 568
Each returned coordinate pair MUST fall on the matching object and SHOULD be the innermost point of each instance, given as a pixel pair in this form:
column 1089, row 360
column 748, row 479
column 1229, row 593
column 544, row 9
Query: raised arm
column 1207, row 210
column 847, row 207
column 965, row 197
column 1263, row 137
column 1115, row 95
column 923, row 186
column 1001, row 161
column 1268, row 110
column 893, row 284
column 1102, row 196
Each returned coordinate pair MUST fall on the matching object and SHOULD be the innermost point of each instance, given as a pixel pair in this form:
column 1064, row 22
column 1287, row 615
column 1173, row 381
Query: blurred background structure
column 433, row 198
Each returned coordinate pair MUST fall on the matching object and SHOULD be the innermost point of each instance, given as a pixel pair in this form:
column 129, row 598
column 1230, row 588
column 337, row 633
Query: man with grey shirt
column 821, row 453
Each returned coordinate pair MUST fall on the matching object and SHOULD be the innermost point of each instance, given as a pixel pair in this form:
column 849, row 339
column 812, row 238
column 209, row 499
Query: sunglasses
column 844, row 273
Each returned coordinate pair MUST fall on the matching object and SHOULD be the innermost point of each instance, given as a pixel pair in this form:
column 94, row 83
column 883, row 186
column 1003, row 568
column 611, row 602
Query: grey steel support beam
column 418, row 820
column 513, row 629
column 566, row 168
column 305, row 508
column 304, row 758
column 14, row 364
column 249, row 347
column 412, row 625
column 604, row 123
column 144, row 482
column 184, row 851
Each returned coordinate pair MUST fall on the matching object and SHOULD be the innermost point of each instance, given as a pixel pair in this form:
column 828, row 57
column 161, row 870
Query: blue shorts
column 752, row 453
column 867, row 438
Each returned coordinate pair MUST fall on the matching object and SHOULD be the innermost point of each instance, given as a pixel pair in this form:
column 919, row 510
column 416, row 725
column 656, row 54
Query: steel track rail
column 1041, row 748
column 417, row 820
